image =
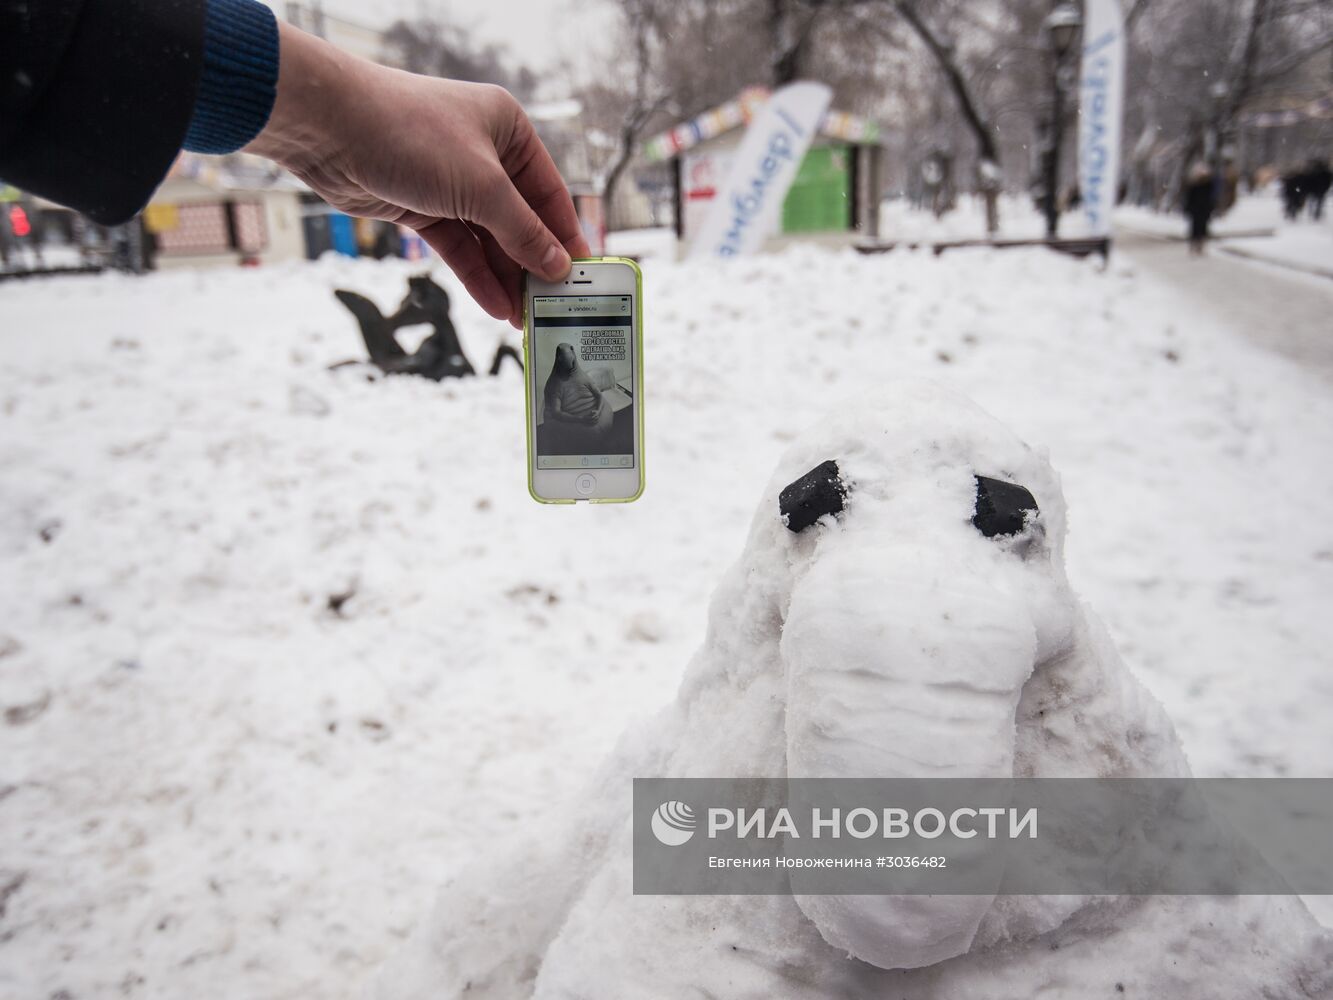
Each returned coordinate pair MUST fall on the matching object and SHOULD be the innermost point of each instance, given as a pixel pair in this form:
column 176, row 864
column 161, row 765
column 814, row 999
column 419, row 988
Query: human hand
column 458, row 162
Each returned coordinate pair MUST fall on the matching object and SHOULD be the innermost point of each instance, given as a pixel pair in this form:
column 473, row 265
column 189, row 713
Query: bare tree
column 647, row 99
column 1247, row 72
column 944, row 52
column 432, row 47
column 1198, row 69
column 688, row 56
column 791, row 27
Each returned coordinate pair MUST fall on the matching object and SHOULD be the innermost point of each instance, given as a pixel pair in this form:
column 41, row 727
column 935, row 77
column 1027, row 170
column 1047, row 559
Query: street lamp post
column 1062, row 28
column 1213, row 141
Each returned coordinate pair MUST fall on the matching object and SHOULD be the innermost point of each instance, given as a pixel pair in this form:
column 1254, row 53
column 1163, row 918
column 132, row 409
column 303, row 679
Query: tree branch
column 1292, row 61
column 1248, row 60
column 943, row 51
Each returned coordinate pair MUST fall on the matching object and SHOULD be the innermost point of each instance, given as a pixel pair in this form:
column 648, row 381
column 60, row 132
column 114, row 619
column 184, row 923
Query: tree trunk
column 1240, row 91
column 1135, row 12
column 636, row 121
column 628, row 135
column 788, row 43
column 640, row 112
column 943, row 53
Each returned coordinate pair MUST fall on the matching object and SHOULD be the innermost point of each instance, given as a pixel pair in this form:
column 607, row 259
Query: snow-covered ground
column 1253, row 213
column 1307, row 248
column 1020, row 219
column 1254, row 228
column 25, row 258
column 213, row 783
column 658, row 243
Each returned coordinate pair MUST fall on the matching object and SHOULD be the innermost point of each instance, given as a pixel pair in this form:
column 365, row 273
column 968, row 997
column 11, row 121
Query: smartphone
column 583, row 372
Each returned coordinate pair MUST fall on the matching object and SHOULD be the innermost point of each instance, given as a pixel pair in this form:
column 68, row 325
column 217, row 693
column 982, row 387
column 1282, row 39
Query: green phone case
column 638, row 382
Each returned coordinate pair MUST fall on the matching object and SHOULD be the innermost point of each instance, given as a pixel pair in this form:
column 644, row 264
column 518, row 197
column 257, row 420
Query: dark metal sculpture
column 440, row 355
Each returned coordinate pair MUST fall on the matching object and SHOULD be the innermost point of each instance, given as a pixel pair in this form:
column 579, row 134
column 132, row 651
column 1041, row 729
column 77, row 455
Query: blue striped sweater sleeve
column 240, row 77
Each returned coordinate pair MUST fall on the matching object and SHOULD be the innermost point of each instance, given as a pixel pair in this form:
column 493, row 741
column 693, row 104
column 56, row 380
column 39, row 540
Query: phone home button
column 585, row 484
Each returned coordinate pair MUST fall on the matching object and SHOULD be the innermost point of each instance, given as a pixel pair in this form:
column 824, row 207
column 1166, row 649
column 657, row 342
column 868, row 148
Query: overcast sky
column 535, row 31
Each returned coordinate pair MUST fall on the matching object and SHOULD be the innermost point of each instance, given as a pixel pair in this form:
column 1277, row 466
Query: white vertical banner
column 746, row 207
column 1101, row 112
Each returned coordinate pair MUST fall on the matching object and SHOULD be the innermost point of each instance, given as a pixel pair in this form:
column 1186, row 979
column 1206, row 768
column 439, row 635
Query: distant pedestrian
column 1200, row 202
column 1293, row 194
column 1318, row 180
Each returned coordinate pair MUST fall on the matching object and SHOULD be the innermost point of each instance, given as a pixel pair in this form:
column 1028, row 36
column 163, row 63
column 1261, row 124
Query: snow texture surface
column 284, row 650
column 891, row 640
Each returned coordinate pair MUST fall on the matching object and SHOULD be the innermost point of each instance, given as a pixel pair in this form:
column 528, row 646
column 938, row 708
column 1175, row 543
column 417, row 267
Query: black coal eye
column 1001, row 507
column 820, row 491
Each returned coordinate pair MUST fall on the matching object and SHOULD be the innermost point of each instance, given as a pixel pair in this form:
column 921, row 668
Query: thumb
column 521, row 234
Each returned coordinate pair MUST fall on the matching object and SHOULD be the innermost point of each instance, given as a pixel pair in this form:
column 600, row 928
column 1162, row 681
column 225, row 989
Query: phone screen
column 583, row 384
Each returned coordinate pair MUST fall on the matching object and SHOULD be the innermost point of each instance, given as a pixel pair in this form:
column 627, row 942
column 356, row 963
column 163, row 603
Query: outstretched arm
column 97, row 98
column 458, row 162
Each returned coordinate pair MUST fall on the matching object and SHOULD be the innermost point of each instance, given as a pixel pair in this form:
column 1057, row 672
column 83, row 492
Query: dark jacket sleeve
column 96, row 97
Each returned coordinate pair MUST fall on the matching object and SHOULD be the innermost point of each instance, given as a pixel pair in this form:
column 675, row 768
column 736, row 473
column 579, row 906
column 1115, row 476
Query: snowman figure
column 900, row 611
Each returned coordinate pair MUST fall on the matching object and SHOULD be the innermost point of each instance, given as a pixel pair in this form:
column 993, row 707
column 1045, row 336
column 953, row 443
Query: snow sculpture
column 922, row 626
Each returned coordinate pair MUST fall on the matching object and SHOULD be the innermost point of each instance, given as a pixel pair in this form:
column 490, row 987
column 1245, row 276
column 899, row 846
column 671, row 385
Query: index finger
column 534, row 174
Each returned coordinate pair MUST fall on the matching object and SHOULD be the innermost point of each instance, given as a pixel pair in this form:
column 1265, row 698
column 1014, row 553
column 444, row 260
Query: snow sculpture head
column 902, row 599
column 913, row 556
column 928, row 535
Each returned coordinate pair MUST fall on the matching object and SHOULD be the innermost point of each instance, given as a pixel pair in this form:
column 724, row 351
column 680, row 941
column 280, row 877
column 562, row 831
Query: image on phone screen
column 583, row 367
